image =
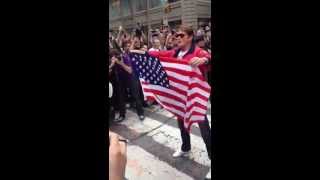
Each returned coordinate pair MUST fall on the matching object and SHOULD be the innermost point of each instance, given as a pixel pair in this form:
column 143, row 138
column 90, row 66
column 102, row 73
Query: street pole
column 121, row 13
column 148, row 22
column 131, row 11
column 166, row 10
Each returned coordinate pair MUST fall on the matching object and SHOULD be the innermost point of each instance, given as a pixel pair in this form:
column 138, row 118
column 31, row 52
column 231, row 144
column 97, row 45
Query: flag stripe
column 196, row 113
column 196, row 104
column 195, row 93
column 178, row 85
column 196, row 117
column 161, row 93
column 202, row 83
column 166, row 90
column 178, row 76
column 197, row 109
column 185, row 73
column 176, row 66
column 194, row 85
column 196, row 99
column 173, row 60
column 180, row 91
column 176, row 80
column 178, row 105
column 177, row 113
column 175, row 85
column 176, row 108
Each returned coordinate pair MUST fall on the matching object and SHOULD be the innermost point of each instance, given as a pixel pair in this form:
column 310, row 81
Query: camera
column 138, row 33
column 154, row 34
column 138, row 30
column 173, row 32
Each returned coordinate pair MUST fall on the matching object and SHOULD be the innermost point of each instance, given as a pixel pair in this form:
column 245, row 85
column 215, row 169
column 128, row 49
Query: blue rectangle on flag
column 149, row 69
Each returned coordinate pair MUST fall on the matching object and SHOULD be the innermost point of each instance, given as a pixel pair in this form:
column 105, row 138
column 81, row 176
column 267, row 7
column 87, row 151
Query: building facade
column 151, row 13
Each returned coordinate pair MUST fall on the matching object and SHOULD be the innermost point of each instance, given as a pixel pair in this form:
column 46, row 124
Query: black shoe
column 141, row 117
column 119, row 119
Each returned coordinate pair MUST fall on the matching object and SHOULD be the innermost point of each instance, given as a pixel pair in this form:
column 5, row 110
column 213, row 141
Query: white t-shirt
column 153, row 49
column 182, row 53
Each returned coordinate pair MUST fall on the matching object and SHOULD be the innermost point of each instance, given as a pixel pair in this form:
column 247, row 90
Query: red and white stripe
column 188, row 95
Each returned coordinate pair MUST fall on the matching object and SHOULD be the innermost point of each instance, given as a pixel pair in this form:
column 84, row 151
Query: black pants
column 205, row 133
column 134, row 85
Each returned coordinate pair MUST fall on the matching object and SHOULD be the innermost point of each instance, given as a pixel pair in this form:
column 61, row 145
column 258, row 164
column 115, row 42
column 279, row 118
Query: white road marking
column 145, row 166
column 169, row 136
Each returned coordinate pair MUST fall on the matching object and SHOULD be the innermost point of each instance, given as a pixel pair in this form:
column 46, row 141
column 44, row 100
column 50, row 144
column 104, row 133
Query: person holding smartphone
column 128, row 79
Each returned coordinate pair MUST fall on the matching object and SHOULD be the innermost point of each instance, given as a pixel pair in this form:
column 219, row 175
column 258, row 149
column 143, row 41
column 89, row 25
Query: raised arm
column 123, row 65
column 204, row 54
column 159, row 54
column 143, row 37
column 202, row 59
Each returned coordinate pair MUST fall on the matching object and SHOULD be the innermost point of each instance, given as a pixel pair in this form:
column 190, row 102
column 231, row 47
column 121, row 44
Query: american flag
column 175, row 85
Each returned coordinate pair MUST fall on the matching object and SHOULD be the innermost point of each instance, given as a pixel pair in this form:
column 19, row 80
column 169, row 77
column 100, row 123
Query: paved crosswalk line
column 145, row 166
column 170, row 137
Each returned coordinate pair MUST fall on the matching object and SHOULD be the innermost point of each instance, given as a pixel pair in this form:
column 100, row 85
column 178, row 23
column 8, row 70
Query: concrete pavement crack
column 151, row 130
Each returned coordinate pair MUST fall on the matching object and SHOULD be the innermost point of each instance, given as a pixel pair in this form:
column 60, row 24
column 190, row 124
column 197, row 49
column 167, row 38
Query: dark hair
column 114, row 52
column 199, row 38
column 155, row 35
column 125, row 43
column 187, row 29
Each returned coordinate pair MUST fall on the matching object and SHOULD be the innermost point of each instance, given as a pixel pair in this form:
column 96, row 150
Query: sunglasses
column 180, row 35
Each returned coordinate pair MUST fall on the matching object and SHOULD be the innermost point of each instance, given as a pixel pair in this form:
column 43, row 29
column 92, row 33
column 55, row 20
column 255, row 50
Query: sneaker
column 141, row 117
column 119, row 119
column 209, row 174
column 180, row 153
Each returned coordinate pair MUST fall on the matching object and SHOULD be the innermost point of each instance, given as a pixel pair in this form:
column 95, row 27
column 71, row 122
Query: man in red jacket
column 188, row 51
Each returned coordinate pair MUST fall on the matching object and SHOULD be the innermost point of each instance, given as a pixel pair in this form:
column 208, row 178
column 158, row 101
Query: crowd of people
column 127, row 89
column 184, row 43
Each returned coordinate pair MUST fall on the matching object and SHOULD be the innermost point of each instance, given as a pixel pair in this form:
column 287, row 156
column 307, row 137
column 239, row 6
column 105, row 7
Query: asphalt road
column 152, row 143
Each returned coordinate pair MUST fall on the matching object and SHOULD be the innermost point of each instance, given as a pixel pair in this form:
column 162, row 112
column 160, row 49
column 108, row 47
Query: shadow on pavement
column 185, row 165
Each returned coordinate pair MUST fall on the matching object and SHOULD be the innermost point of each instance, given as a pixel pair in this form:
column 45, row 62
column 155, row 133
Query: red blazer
column 193, row 52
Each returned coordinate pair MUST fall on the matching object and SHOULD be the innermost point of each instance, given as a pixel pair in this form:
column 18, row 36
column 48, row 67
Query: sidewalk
column 152, row 143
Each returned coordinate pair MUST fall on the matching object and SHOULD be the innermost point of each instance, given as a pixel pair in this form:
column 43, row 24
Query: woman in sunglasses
column 188, row 51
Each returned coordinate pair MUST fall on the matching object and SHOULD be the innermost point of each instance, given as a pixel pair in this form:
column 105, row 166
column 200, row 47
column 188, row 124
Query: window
column 114, row 9
column 156, row 3
column 141, row 5
column 125, row 8
column 171, row 1
column 175, row 24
